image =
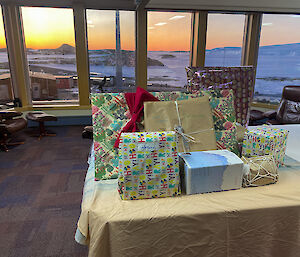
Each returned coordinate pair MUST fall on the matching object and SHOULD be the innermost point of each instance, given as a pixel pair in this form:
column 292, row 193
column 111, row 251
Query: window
column 111, row 45
column 278, row 57
column 50, row 48
column 6, row 91
column 224, row 39
column 168, row 50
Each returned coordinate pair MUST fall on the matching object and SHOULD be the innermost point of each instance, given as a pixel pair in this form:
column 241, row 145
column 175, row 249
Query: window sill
column 265, row 105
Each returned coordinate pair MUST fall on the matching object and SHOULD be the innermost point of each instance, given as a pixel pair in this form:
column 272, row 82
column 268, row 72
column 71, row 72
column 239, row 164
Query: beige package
column 259, row 171
column 191, row 119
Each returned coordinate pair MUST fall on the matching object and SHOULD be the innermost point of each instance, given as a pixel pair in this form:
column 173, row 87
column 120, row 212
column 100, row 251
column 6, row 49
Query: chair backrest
column 289, row 108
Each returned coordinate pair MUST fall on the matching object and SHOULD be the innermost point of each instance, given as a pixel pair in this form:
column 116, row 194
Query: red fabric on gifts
column 135, row 102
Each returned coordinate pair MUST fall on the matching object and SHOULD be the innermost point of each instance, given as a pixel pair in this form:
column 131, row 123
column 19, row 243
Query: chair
column 10, row 123
column 41, row 117
column 288, row 111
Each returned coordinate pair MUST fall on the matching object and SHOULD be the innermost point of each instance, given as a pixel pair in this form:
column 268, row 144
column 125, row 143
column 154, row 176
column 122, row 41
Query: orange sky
column 52, row 27
column 169, row 31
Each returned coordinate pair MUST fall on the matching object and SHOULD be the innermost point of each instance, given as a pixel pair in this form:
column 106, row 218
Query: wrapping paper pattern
column 110, row 113
column 239, row 79
column 266, row 140
column 222, row 105
column 148, row 165
column 261, row 170
column 226, row 139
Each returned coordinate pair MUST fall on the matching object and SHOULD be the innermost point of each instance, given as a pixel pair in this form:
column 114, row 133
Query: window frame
column 19, row 66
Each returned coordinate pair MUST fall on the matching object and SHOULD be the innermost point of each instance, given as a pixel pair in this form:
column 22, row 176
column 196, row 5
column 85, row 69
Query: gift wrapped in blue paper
column 210, row 171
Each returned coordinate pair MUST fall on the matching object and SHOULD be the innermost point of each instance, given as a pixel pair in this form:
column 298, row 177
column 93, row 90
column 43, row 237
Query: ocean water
column 273, row 71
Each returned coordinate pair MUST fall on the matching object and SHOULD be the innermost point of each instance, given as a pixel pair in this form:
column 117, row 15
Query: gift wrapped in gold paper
column 191, row 119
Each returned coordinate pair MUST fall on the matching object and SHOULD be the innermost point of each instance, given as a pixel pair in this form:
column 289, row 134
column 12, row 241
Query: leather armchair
column 10, row 123
column 288, row 111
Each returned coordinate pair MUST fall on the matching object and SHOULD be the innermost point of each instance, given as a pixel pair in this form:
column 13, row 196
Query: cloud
column 177, row 17
column 160, row 24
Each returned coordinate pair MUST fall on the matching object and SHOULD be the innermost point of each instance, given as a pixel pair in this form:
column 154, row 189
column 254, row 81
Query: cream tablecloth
column 263, row 221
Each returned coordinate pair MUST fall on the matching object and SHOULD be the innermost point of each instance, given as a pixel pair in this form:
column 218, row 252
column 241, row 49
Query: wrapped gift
column 266, row 140
column 191, row 119
column 148, row 165
column 210, row 171
column 110, row 114
column 239, row 79
column 259, row 171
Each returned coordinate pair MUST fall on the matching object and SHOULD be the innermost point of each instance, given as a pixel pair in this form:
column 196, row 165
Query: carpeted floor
column 40, row 195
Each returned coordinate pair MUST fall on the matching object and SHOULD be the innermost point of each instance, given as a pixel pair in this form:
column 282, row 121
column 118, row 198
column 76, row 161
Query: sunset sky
column 52, row 27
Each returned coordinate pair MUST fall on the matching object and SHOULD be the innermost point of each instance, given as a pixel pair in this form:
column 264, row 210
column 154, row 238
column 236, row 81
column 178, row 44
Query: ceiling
column 281, row 6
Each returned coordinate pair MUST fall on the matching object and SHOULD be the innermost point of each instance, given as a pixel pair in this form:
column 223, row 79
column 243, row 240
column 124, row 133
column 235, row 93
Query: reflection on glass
column 111, row 44
column 50, row 48
column 278, row 58
column 168, row 50
column 6, row 93
column 224, row 39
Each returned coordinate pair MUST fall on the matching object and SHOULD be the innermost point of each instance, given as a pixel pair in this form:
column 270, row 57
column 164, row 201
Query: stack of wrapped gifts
column 164, row 144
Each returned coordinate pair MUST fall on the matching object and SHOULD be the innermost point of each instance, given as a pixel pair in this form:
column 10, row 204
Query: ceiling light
column 267, row 24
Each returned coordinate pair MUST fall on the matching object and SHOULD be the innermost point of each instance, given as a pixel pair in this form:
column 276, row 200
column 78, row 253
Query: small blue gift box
column 210, row 171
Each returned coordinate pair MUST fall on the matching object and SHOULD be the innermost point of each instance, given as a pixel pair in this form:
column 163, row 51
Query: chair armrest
column 9, row 114
column 273, row 122
column 270, row 114
column 2, row 129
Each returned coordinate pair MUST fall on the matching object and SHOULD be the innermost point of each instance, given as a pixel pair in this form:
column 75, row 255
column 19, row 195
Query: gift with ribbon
column 135, row 102
column 190, row 119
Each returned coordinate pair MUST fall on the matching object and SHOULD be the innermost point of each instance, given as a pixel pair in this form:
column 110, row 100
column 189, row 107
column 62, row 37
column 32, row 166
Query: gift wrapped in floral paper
column 266, row 140
column 148, row 165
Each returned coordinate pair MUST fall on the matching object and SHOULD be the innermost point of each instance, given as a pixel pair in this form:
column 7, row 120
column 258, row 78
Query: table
column 262, row 221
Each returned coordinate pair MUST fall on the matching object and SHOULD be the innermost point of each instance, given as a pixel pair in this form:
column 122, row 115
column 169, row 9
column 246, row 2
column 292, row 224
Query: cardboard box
column 210, row 171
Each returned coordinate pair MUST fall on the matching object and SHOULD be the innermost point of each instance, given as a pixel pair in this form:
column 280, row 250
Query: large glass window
column 168, row 50
column 6, row 92
column 278, row 58
column 50, row 47
column 111, row 45
column 224, row 39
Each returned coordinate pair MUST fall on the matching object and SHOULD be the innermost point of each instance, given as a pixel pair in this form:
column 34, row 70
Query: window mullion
column 81, row 54
column 16, row 52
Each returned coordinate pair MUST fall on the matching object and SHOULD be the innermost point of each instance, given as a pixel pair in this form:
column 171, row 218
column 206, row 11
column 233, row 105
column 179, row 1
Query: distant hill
column 271, row 50
column 65, row 49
